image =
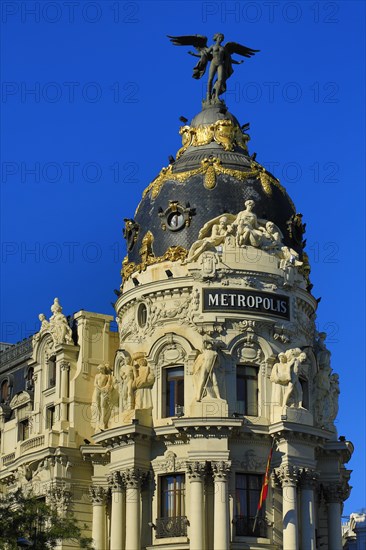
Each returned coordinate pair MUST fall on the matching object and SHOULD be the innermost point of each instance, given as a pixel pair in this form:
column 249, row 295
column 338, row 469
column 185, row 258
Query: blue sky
column 91, row 98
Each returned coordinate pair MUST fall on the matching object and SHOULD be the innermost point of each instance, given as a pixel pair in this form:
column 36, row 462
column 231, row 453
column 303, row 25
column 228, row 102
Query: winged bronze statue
column 219, row 56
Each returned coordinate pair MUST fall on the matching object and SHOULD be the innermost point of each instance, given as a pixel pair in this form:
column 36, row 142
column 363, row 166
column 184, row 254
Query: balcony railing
column 31, row 443
column 8, row 459
column 244, row 527
column 171, row 527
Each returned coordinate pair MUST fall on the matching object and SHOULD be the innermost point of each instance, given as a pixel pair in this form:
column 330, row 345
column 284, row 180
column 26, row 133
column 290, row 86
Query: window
column 51, row 372
column 5, row 391
column 50, row 417
column 172, row 521
column 174, row 391
column 247, row 390
column 142, row 315
column 247, row 493
column 24, row 430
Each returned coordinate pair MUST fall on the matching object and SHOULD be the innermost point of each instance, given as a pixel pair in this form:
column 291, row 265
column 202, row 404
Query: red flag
column 264, row 490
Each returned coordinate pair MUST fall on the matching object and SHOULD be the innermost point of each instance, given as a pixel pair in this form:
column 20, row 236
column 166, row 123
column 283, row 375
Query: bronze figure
column 219, row 56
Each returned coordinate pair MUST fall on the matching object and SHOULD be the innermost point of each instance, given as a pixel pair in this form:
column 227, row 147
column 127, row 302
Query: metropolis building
column 157, row 437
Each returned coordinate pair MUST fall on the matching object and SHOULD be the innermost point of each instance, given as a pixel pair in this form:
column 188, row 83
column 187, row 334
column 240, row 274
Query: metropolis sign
column 250, row 301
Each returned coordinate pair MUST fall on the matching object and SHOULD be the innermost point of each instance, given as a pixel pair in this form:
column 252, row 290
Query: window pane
column 172, row 496
column 252, row 395
column 248, row 488
column 174, row 387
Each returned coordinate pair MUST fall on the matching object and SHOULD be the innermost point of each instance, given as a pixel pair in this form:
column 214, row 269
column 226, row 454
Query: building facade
column 157, row 436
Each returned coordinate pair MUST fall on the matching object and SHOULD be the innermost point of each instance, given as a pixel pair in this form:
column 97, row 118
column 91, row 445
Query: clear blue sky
column 91, row 98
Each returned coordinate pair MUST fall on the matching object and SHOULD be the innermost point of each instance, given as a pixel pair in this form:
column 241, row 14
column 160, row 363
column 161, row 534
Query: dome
column 213, row 174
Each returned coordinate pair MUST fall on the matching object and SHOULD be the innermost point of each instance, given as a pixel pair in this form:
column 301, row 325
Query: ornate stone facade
column 170, row 420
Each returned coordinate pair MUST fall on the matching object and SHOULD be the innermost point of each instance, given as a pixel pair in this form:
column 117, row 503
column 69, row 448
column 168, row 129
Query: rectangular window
column 24, row 430
column 247, row 390
column 51, row 372
column 174, row 388
column 172, row 521
column 247, row 493
column 50, row 417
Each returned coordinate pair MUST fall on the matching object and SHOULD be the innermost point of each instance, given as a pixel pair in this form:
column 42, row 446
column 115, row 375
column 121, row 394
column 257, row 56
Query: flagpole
column 264, row 489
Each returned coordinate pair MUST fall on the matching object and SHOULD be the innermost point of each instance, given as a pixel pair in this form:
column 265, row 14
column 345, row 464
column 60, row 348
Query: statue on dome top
column 219, row 57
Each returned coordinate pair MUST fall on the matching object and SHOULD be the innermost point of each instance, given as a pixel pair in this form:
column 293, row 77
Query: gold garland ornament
column 173, row 254
column 224, row 132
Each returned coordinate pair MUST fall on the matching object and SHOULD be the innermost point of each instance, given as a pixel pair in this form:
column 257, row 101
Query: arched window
column 5, row 391
column 247, row 390
column 174, row 391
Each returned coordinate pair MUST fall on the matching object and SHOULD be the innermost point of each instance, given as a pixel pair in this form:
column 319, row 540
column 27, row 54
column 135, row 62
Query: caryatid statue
column 219, row 57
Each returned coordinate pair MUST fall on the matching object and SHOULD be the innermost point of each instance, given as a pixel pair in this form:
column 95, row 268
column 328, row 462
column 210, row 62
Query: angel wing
column 233, row 47
column 197, row 40
column 207, row 228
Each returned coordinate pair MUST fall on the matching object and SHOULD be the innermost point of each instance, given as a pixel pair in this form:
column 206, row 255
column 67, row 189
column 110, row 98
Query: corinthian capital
column 133, row 478
column 221, row 470
column 115, row 481
column 97, row 494
column 336, row 492
column 308, row 478
column 287, row 474
column 196, row 470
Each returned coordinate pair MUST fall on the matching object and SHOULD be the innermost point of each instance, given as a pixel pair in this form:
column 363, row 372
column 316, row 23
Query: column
column 133, row 479
column 334, row 497
column 308, row 479
column 118, row 511
column 288, row 476
column 98, row 495
column 221, row 471
column 65, row 368
column 196, row 475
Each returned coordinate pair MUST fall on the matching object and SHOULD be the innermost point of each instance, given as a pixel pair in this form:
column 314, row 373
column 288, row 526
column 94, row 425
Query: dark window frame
column 247, row 498
column 24, row 429
column 176, row 385
column 172, row 521
column 250, row 408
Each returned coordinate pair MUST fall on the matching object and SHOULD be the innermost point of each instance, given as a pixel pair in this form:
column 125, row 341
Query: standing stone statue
column 322, row 382
column 102, row 400
column 142, row 383
column 287, row 390
column 205, row 371
column 126, row 374
column 334, row 397
column 219, row 57
column 58, row 325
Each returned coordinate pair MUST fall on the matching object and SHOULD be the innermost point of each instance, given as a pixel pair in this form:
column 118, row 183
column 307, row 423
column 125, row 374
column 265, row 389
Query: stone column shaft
column 117, row 512
column 334, row 526
column 99, row 517
column 196, row 473
column 221, row 506
column 65, row 367
column 133, row 480
column 335, row 493
column 308, row 481
column 288, row 476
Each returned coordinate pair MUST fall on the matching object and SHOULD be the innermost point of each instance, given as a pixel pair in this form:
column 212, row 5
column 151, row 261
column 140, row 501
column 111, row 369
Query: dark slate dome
column 211, row 176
